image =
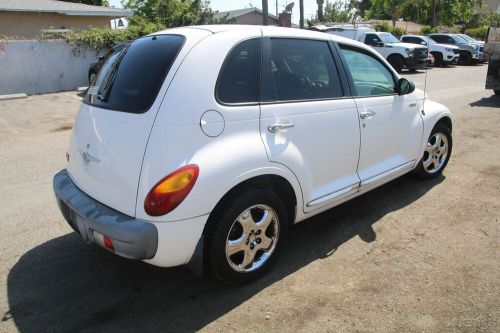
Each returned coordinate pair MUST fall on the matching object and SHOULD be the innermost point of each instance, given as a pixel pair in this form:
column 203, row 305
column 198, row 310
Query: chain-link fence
column 36, row 67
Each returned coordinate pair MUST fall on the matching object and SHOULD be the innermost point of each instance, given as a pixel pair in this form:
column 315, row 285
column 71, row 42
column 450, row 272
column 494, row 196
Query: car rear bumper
column 131, row 238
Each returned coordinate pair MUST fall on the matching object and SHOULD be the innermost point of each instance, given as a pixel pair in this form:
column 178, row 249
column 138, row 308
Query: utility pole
column 265, row 12
column 320, row 10
column 434, row 17
column 301, row 8
column 276, row 8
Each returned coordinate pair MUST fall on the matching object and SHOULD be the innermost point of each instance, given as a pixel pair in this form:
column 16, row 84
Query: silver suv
column 470, row 53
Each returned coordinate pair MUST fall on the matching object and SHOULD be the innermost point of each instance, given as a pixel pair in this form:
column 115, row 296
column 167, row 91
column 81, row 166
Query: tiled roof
column 60, row 7
column 238, row 12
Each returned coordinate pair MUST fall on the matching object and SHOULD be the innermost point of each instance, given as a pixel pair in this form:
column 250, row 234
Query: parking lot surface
column 411, row 256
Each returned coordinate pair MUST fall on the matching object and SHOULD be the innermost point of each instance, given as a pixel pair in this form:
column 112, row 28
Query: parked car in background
column 399, row 55
column 285, row 124
column 443, row 54
column 475, row 41
column 96, row 66
column 469, row 52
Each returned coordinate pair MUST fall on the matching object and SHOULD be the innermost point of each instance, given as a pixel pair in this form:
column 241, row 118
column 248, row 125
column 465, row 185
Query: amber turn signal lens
column 169, row 192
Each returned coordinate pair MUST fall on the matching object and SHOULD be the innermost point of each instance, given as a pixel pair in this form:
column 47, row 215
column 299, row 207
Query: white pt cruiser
column 202, row 145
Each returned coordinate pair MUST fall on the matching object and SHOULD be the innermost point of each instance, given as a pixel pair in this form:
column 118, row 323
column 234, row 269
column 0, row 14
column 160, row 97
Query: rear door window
column 239, row 77
column 131, row 78
column 301, row 70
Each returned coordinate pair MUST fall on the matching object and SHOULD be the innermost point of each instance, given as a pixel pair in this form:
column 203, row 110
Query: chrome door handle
column 367, row 114
column 280, row 127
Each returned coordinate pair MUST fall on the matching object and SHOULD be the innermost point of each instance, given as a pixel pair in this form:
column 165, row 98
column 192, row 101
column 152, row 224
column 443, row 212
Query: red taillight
column 169, row 192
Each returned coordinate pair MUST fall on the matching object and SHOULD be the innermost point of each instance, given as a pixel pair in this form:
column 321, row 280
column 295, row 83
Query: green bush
column 386, row 27
column 479, row 33
column 397, row 31
column 102, row 39
column 426, row 29
column 383, row 26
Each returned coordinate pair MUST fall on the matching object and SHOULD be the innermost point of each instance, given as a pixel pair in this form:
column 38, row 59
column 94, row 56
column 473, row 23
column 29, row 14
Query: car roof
column 268, row 30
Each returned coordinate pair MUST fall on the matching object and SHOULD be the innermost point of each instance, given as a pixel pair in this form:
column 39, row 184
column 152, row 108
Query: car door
column 391, row 124
column 307, row 122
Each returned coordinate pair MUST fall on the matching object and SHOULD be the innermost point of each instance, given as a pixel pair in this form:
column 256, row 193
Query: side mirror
column 424, row 43
column 405, row 86
column 101, row 58
column 378, row 44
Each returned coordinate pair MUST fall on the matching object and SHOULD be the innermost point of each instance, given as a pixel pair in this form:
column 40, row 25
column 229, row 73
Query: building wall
column 29, row 25
column 254, row 18
column 37, row 67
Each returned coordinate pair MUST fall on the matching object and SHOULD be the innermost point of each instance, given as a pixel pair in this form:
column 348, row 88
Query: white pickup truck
column 399, row 55
column 443, row 53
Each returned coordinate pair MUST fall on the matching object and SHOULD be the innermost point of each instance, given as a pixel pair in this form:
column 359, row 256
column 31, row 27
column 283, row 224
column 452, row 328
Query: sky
column 223, row 5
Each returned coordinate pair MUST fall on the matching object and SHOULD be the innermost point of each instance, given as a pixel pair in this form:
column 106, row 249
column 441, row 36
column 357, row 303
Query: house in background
column 251, row 15
column 27, row 18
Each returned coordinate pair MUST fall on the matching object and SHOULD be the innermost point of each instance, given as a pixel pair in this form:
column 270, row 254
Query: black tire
column 396, row 62
column 497, row 92
column 223, row 221
column 465, row 58
column 438, row 59
column 421, row 171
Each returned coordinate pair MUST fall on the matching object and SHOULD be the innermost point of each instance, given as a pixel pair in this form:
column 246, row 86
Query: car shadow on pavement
column 65, row 285
column 492, row 101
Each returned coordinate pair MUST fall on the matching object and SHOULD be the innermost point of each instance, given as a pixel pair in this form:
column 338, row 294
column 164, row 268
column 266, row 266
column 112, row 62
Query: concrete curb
column 12, row 96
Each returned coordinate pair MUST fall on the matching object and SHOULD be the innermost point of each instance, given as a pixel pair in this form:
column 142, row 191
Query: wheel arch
column 446, row 121
column 274, row 182
column 392, row 57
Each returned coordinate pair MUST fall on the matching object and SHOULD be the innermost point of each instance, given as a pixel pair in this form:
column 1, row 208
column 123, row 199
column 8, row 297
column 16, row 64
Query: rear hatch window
column 130, row 79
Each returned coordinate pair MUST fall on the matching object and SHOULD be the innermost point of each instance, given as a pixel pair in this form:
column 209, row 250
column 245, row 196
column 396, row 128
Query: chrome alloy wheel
column 436, row 153
column 252, row 238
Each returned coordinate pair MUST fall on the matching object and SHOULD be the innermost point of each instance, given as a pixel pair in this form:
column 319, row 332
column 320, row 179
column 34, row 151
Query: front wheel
column 396, row 62
column 437, row 153
column 465, row 59
column 497, row 92
column 244, row 235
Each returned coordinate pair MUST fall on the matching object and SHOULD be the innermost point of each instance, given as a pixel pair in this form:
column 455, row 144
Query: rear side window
column 301, row 70
column 131, row 78
column 239, row 77
column 413, row 40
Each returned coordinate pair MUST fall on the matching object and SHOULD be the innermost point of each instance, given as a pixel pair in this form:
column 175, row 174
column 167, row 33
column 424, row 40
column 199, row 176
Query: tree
column 171, row 13
column 394, row 9
column 362, row 6
column 340, row 11
column 91, row 2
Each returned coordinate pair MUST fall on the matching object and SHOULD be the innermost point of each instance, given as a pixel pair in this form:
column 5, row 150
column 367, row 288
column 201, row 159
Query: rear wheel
column 437, row 153
column 92, row 77
column 244, row 235
column 396, row 62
